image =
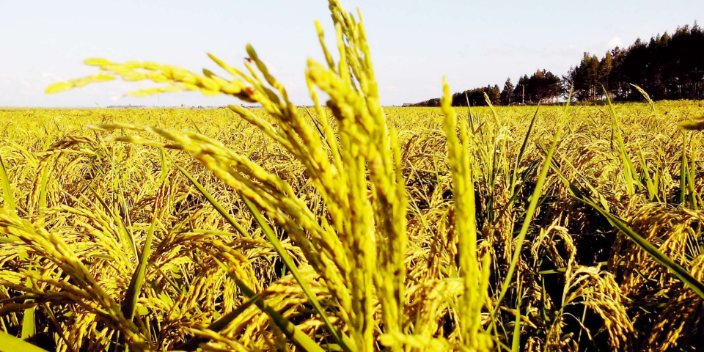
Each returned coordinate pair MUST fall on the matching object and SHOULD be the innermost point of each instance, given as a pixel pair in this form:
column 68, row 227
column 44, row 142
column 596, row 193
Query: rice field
column 348, row 226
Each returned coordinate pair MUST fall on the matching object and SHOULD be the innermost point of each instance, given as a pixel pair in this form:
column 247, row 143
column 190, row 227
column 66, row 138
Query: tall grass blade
column 230, row 220
column 680, row 272
column 289, row 329
column 278, row 247
column 516, row 341
column 683, row 171
column 6, row 189
column 43, row 181
column 532, row 207
column 218, row 325
column 9, row 343
column 129, row 306
column 517, row 164
column 650, row 184
column 628, row 169
column 342, row 339
column 691, row 172
column 28, row 323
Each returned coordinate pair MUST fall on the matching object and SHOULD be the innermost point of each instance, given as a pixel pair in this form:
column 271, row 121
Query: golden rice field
column 348, row 226
column 84, row 208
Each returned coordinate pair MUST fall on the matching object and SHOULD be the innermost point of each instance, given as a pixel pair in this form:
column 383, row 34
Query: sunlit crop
column 348, row 226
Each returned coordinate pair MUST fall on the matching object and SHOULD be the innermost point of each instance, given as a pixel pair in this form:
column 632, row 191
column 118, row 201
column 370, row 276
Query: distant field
column 83, row 206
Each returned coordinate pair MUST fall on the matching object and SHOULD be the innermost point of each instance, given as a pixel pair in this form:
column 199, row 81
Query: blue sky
column 414, row 43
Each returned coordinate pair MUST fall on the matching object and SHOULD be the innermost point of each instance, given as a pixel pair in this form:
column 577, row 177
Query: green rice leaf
column 289, row 329
column 129, row 305
column 680, row 272
column 214, row 202
column 342, row 339
column 532, row 206
column 278, row 247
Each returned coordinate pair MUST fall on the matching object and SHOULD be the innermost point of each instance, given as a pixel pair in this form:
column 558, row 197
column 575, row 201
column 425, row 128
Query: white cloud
column 610, row 44
column 614, row 42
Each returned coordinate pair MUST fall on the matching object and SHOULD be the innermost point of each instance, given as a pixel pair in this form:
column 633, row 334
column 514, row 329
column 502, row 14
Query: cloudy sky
column 414, row 43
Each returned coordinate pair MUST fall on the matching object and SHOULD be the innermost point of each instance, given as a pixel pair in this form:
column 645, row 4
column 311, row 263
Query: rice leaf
column 683, row 171
column 650, row 185
column 218, row 325
column 289, row 329
column 129, row 305
column 491, row 106
column 680, row 272
column 230, row 220
column 516, row 341
column 514, row 187
column 278, row 247
column 28, row 324
column 342, row 339
column 59, row 329
column 532, row 206
column 9, row 343
column 6, row 188
column 43, row 181
column 629, row 171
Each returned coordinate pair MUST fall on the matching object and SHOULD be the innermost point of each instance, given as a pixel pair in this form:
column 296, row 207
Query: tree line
column 667, row 67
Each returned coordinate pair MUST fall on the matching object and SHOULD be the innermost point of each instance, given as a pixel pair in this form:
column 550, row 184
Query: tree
column 605, row 67
column 520, row 90
column 494, row 94
column 668, row 66
column 585, row 78
column 507, row 93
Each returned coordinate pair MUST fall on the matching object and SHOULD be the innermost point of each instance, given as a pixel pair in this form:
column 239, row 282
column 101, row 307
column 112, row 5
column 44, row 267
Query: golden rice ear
column 644, row 94
column 598, row 292
column 62, row 86
column 676, row 325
